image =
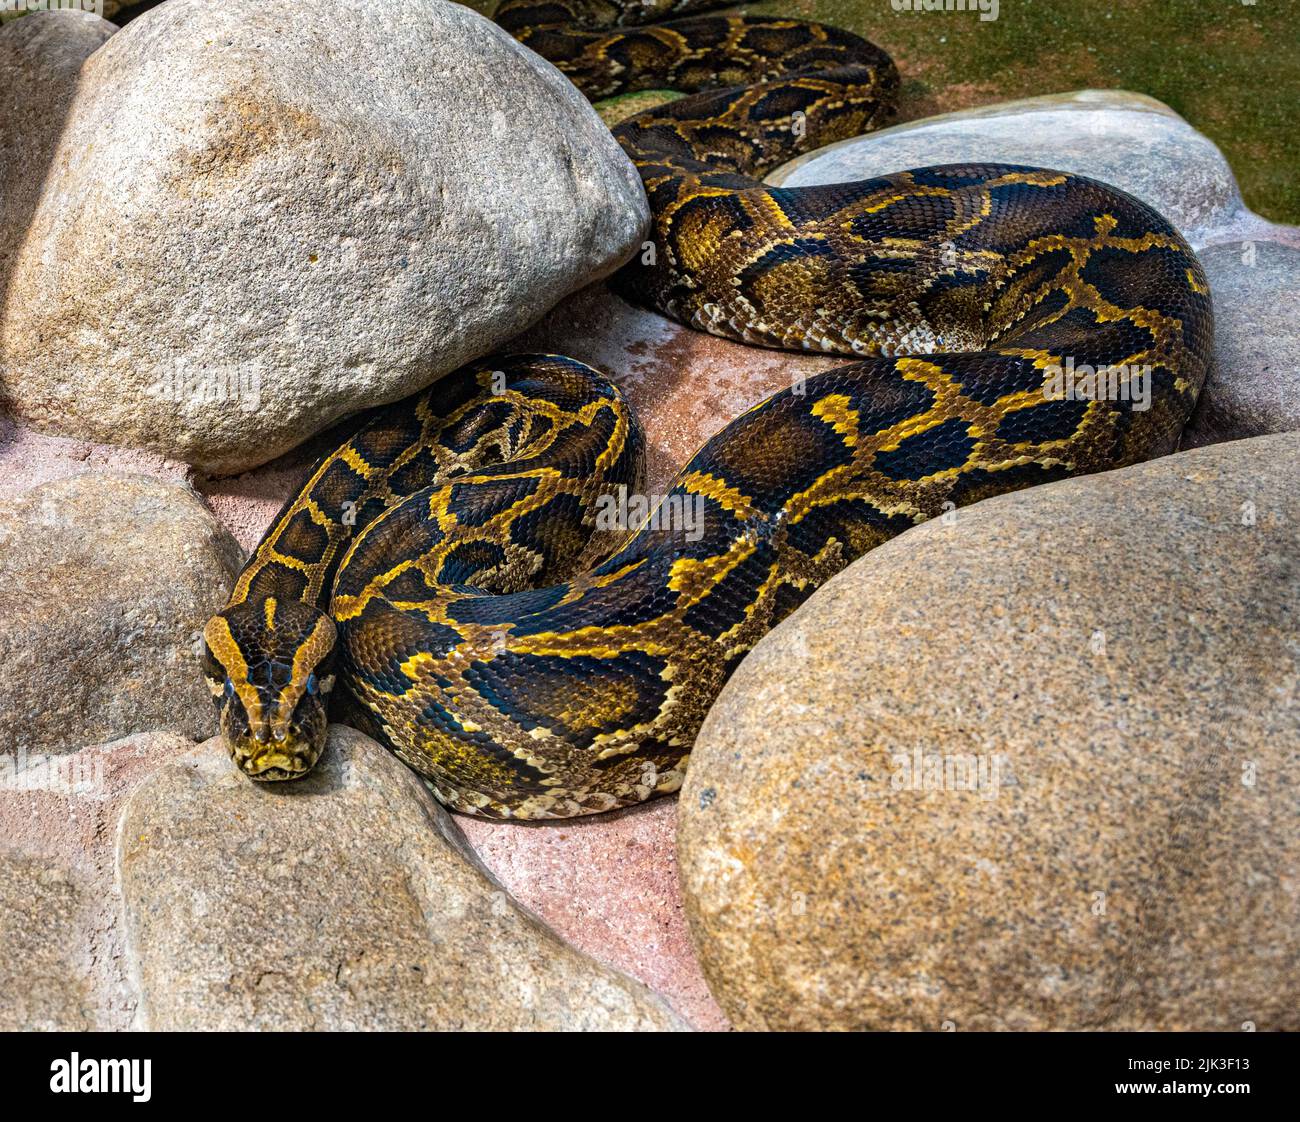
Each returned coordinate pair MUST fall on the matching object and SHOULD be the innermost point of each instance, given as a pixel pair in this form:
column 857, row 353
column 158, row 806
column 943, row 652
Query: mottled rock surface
column 1254, row 387
column 105, row 581
column 40, row 55
column 42, row 987
column 232, row 247
column 346, row 900
column 1033, row 766
column 1126, row 139
column 61, row 916
column 607, row 885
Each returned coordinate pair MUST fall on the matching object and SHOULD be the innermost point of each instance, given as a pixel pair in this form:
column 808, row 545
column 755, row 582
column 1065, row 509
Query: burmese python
column 437, row 565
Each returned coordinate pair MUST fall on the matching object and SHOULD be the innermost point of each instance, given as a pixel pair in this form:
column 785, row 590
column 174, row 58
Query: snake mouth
column 276, row 750
column 269, row 763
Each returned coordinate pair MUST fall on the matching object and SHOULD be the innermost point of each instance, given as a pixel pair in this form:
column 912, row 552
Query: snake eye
column 230, row 688
column 312, row 684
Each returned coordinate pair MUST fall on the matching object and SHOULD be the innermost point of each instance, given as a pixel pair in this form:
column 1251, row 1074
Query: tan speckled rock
column 1254, row 385
column 41, row 921
column 105, row 582
column 60, row 917
column 346, row 900
column 41, row 55
column 1034, row 766
column 252, row 223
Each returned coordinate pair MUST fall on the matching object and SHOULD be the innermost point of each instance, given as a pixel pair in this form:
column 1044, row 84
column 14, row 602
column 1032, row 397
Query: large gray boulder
column 106, row 582
column 1254, row 386
column 251, row 223
column 345, row 900
column 1032, row 766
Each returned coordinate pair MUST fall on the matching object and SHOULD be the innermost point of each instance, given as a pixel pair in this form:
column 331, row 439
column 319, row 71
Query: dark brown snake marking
column 438, row 564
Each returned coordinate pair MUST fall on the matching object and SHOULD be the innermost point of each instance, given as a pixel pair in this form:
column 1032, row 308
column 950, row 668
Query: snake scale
column 439, row 566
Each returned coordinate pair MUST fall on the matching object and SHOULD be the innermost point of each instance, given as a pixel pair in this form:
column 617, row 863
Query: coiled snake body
column 440, row 565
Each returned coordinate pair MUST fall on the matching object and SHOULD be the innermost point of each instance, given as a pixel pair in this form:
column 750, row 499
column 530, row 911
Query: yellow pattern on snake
column 439, row 565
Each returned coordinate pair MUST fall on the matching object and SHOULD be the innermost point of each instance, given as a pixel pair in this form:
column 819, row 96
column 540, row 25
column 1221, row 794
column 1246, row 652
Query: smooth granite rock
column 60, row 912
column 41, row 55
column 252, row 223
column 1126, row 139
column 1254, row 386
column 1034, row 765
column 42, row 987
column 345, row 900
column 607, row 885
column 105, row 582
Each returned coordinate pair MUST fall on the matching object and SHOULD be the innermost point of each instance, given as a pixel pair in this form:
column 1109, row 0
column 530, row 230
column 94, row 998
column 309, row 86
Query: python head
column 270, row 665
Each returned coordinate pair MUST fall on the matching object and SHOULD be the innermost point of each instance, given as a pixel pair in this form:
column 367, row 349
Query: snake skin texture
column 442, row 564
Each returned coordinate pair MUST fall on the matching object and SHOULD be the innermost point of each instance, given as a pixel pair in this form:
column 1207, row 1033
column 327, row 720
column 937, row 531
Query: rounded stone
column 1033, row 765
column 250, row 224
column 105, row 584
column 345, row 900
column 1254, row 385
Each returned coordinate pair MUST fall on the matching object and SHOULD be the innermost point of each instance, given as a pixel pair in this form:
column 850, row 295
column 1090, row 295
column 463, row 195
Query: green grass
column 1232, row 69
